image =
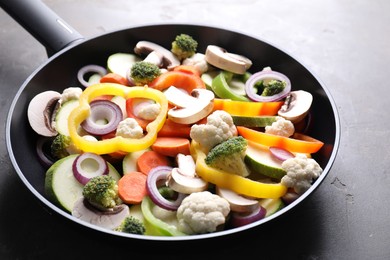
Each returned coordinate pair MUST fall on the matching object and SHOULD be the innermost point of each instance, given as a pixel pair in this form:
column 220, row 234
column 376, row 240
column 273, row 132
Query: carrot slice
column 299, row 143
column 171, row 129
column 179, row 79
column 171, row 146
column 132, row 187
column 114, row 78
column 151, row 159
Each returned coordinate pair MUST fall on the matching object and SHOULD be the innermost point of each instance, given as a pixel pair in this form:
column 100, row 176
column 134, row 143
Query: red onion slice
column 104, row 118
column 87, row 166
column 266, row 75
column 43, row 151
column 155, row 176
column 280, row 153
column 81, row 74
column 239, row 219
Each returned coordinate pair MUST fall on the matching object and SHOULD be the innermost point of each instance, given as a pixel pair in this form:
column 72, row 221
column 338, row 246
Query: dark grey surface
column 343, row 43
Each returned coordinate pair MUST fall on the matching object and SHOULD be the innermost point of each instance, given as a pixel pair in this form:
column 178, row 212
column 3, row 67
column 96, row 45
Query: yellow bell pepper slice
column 236, row 183
column 118, row 143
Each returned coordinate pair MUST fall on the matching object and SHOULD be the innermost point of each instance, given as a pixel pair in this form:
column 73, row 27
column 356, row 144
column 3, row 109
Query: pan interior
column 61, row 69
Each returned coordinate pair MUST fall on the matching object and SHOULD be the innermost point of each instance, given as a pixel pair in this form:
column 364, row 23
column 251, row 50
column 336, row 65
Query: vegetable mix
column 169, row 141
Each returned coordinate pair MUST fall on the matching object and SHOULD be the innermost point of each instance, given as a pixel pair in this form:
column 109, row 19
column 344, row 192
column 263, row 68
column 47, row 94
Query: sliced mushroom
column 184, row 183
column 155, row 57
column 189, row 108
column 41, row 110
column 110, row 219
column 169, row 59
column 296, row 105
column 222, row 59
column 178, row 97
column 237, row 202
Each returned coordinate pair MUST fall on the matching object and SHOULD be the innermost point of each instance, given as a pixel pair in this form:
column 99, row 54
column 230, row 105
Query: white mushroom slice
column 169, row 59
column 179, row 97
column 109, row 219
column 155, row 57
column 40, row 112
column 245, row 60
column 186, row 164
column 222, row 59
column 237, row 202
column 296, row 105
column 197, row 106
column 185, row 184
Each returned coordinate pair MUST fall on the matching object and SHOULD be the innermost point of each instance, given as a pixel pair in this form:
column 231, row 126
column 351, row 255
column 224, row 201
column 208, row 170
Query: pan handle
column 42, row 23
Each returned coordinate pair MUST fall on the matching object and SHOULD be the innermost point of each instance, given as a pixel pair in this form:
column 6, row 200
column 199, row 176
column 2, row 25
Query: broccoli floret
column 102, row 192
column 229, row 156
column 143, row 72
column 167, row 192
column 271, row 88
column 58, row 147
column 132, row 225
column 184, row 46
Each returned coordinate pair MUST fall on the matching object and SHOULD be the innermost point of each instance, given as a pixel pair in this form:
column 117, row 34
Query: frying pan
column 69, row 52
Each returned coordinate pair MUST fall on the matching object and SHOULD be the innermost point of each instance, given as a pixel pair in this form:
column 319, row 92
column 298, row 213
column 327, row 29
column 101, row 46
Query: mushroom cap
column 296, row 106
column 237, row 202
column 184, row 183
column 40, row 112
column 169, row 59
column 191, row 108
column 222, row 59
column 109, row 219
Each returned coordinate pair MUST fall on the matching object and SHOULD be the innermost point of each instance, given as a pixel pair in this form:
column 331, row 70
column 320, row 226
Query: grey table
column 343, row 42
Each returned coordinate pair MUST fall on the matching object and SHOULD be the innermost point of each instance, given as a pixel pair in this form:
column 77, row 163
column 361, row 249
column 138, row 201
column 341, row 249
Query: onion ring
column 239, row 219
column 83, row 173
column 43, row 151
column 89, row 69
column 157, row 174
column 102, row 110
column 262, row 75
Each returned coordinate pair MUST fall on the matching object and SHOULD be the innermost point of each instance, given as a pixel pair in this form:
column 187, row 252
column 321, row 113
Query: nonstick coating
column 61, row 69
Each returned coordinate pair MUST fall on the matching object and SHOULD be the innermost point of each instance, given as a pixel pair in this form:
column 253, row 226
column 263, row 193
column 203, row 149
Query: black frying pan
column 69, row 52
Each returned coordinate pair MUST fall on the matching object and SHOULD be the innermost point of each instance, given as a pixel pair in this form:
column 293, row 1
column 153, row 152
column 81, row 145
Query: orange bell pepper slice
column 184, row 79
column 299, row 143
column 245, row 108
column 118, row 143
column 188, row 69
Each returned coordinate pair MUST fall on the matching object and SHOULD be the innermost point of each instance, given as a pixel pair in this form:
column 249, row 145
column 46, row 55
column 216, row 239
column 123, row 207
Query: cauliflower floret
column 219, row 128
column 202, row 212
column 301, row 172
column 197, row 60
column 129, row 128
column 281, row 126
column 70, row 93
column 149, row 111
